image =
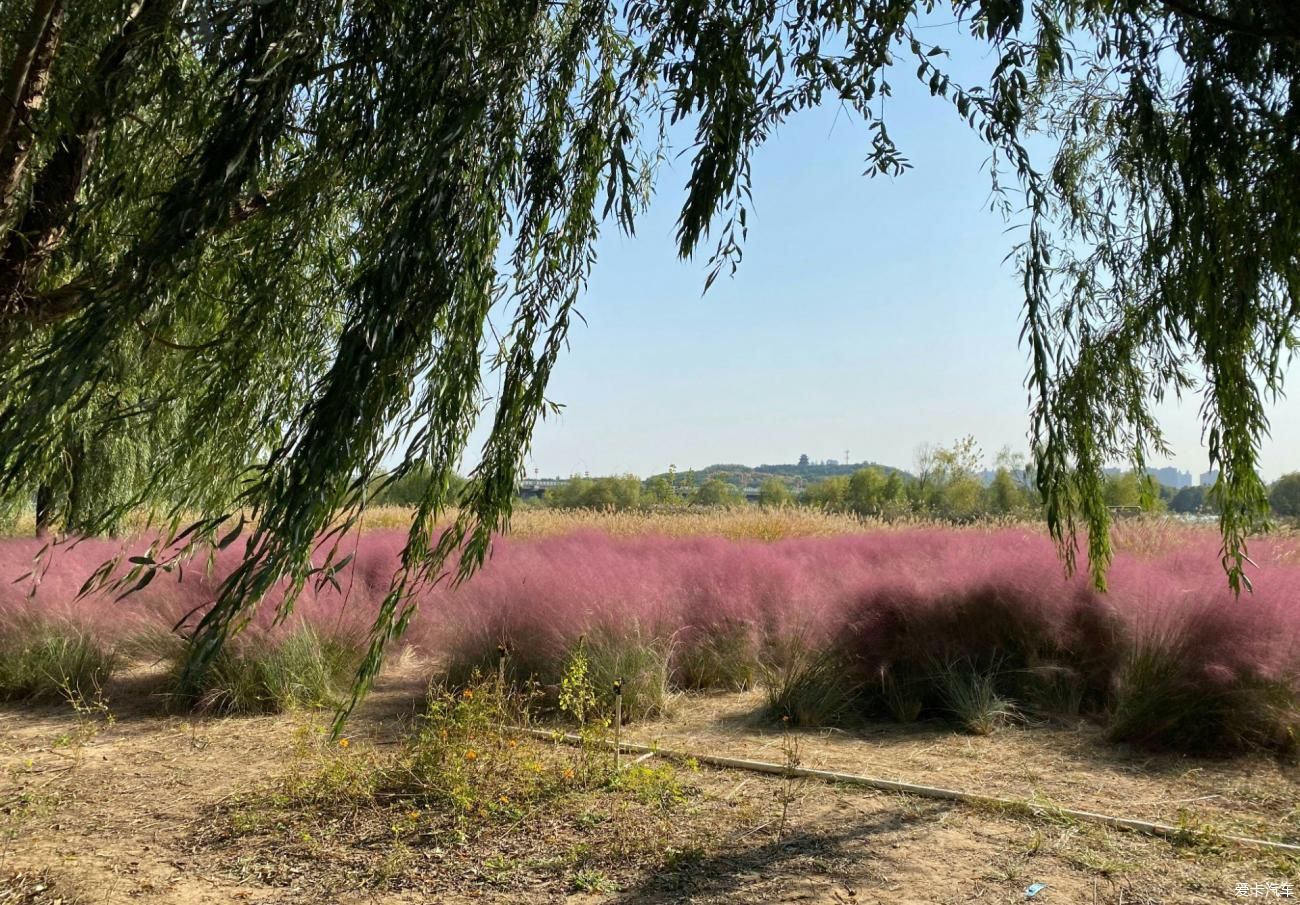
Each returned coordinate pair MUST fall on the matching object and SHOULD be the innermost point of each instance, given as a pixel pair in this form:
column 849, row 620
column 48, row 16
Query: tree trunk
column 54, row 188
column 24, row 87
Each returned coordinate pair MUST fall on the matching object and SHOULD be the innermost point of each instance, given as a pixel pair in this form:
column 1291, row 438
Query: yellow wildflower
column 470, row 755
column 568, row 773
column 343, row 743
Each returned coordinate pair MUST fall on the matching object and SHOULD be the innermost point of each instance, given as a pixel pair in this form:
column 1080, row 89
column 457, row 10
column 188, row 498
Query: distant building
column 832, row 461
column 1171, row 477
column 1168, row 476
column 1209, row 477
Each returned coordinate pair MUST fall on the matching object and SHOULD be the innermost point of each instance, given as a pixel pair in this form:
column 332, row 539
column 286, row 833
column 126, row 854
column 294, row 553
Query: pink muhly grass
column 887, row 608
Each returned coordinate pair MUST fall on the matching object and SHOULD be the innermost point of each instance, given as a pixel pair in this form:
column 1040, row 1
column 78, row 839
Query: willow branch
column 1183, row 7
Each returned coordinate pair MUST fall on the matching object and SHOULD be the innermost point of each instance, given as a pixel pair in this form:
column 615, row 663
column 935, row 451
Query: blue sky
column 870, row 315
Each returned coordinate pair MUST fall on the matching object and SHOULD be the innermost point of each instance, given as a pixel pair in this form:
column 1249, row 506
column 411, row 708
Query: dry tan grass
column 739, row 523
column 1147, row 537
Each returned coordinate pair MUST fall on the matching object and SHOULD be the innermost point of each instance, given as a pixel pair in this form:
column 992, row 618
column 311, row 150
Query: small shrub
column 657, row 784
column 349, row 775
column 264, row 674
column 591, row 881
column 577, row 696
column 47, row 660
column 458, row 759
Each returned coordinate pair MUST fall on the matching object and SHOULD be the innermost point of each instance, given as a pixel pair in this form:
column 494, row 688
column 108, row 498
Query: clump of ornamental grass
column 489, row 652
column 153, row 645
column 304, row 668
column 807, row 684
column 718, row 656
column 901, row 697
column 636, row 659
column 970, row 694
column 966, row 652
column 1053, row 691
column 1173, row 693
column 52, row 659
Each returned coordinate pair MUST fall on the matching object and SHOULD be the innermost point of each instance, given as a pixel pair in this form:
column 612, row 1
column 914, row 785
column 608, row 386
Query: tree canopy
column 272, row 245
column 1285, row 495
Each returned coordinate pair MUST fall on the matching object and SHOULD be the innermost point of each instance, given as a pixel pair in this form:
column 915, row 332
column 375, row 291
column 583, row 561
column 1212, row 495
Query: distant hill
column 793, row 474
column 800, row 475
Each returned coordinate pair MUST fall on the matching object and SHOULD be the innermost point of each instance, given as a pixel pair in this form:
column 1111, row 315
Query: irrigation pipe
column 1145, row 827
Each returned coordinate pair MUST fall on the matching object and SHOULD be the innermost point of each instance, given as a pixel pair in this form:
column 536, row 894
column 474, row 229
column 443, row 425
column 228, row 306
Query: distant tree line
column 948, row 482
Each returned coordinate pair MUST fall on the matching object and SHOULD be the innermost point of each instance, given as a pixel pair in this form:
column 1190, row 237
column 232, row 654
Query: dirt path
column 122, row 812
column 1068, row 767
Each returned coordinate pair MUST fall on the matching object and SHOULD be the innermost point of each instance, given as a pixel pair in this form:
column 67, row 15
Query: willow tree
column 269, row 236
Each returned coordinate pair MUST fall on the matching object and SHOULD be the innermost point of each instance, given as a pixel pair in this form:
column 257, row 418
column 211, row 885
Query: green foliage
column 1131, row 490
column 577, row 694
column 659, row 491
column 640, row 661
column 970, row 694
column 591, row 881
column 409, row 488
column 1285, row 495
column 1211, row 250
column 1003, row 494
column 456, row 754
column 288, row 224
column 775, row 493
column 656, row 784
column 48, row 660
column 597, row 493
column 716, row 492
column 901, row 698
column 830, row 493
column 947, row 480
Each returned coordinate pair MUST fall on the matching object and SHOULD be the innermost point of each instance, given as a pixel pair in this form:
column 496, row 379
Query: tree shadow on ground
column 731, row 874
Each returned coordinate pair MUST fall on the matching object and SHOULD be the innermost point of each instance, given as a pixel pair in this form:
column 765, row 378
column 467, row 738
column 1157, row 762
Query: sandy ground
column 1067, row 766
column 99, row 812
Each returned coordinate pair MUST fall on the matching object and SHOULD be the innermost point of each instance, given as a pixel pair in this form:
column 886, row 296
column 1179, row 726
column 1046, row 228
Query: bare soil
column 1070, row 766
column 141, row 809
